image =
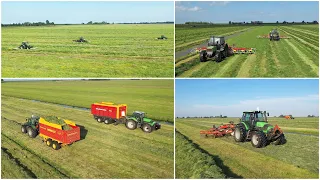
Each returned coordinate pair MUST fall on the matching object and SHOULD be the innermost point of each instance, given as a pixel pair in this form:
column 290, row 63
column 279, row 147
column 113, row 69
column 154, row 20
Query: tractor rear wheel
column 203, row 56
column 49, row 142
column 56, row 145
column 23, row 129
column 280, row 140
column 99, row 119
column 32, row 132
column 258, row 139
column 147, row 128
column 131, row 124
column 240, row 133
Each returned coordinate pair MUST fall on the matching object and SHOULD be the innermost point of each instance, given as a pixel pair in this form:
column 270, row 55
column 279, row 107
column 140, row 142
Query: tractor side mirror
column 268, row 114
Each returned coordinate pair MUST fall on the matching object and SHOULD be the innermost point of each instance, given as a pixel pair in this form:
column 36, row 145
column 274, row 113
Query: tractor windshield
column 259, row 116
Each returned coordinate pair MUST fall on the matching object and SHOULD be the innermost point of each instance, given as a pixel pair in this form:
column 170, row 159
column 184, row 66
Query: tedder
column 223, row 130
column 273, row 35
column 254, row 126
column 218, row 50
column 56, row 132
column 111, row 113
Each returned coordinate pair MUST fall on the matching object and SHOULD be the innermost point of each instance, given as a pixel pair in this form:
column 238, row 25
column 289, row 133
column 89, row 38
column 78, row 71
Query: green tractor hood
column 264, row 126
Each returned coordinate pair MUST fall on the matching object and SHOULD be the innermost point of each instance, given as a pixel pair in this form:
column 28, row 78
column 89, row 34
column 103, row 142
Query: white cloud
column 297, row 106
column 219, row 3
column 183, row 8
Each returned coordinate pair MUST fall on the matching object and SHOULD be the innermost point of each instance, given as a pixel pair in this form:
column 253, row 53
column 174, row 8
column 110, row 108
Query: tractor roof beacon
column 254, row 126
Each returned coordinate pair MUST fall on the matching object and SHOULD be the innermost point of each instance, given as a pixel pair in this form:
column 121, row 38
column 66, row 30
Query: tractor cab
column 34, row 120
column 274, row 35
column 252, row 118
column 215, row 41
column 139, row 115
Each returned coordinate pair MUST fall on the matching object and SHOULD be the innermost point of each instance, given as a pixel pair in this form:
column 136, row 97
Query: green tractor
column 274, row 35
column 162, row 37
column 24, row 45
column 81, row 40
column 217, row 49
column 31, row 126
column 254, row 126
column 138, row 119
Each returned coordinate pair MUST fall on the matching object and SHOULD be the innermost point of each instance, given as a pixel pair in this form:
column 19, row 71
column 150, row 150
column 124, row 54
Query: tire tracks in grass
column 194, row 69
column 226, row 68
column 304, row 58
column 244, row 70
column 314, row 55
column 297, row 67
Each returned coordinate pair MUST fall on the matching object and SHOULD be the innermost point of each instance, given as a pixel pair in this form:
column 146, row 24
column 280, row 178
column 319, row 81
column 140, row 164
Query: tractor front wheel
column 218, row 56
column 280, row 140
column 31, row 132
column 203, row 56
column 56, row 145
column 258, row 139
column 240, row 133
column 147, row 128
column 131, row 124
column 23, row 129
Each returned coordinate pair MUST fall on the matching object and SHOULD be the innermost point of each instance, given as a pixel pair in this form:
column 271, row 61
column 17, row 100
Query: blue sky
column 266, row 11
column 210, row 97
column 78, row 12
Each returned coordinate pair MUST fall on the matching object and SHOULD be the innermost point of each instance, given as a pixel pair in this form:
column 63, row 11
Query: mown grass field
column 155, row 97
column 298, row 158
column 294, row 57
column 104, row 151
column 112, row 51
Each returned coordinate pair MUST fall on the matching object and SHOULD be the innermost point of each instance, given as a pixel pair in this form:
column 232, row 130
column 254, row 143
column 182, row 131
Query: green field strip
column 246, row 66
column 304, row 58
column 312, row 54
column 205, row 167
column 120, row 147
column 303, row 31
column 196, row 56
column 244, row 160
column 84, row 93
column 194, row 69
column 302, row 41
column 112, row 51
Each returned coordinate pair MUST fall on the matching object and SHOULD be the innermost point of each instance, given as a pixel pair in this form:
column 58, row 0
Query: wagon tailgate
column 72, row 135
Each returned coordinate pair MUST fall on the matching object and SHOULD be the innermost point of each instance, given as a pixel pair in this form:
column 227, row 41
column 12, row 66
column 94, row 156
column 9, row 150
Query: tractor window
column 259, row 117
column 246, row 116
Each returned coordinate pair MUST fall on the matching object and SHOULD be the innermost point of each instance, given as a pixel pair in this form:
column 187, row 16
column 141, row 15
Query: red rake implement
column 223, row 130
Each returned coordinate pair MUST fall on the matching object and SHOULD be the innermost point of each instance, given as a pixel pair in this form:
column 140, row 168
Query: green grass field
column 104, row 151
column 294, row 57
column 298, row 158
column 155, row 97
column 112, row 51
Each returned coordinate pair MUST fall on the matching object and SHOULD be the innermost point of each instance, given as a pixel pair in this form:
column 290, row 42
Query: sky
column 266, row 11
column 230, row 97
column 83, row 12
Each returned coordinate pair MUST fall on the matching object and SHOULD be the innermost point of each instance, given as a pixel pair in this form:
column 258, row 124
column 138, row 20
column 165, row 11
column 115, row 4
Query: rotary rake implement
column 223, row 130
column 273, row 35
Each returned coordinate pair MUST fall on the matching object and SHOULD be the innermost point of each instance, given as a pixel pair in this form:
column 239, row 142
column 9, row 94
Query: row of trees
column 30, row 24
column 284, row 22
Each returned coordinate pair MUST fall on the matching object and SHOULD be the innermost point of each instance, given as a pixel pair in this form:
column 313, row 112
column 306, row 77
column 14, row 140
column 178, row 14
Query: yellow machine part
column 110, row 104
column 58, row 126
